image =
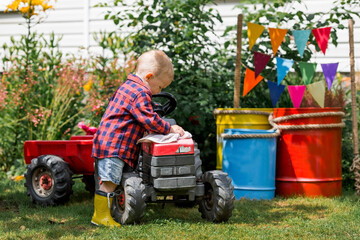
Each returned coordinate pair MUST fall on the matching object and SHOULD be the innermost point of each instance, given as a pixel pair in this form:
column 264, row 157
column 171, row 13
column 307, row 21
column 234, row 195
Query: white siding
column 77, row 24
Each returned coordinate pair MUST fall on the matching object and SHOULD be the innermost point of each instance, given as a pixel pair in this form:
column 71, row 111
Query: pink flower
column 87, row 129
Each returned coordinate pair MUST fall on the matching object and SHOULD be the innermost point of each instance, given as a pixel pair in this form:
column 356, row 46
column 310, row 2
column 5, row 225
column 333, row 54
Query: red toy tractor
column 166, row 173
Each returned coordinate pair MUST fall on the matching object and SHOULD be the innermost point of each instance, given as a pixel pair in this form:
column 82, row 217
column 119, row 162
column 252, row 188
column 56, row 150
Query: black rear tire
column 48, row 180
column 129, row 205
column 218, row 203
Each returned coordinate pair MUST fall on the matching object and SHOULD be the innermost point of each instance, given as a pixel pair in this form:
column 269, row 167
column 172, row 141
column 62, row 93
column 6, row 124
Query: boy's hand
column 177, row 129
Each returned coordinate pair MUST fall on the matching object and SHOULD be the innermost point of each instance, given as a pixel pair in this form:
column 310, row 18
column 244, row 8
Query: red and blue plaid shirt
column 125, row 120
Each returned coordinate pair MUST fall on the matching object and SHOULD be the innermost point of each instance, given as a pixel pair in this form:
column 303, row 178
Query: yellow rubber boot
column 102, row 215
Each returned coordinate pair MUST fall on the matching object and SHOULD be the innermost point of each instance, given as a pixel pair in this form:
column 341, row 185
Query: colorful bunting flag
column 307, row 71
column 254, row 31
column 277, row 36
column 322, row 37
column 283, row 67
column 317, row 90
column 329, row 71
column 250, row 81
column 301, row 38
column 260, row 61
column 275, row 91
column 296, row 93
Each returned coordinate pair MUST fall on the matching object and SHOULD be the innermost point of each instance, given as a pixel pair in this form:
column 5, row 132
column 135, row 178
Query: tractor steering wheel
column 167, row 107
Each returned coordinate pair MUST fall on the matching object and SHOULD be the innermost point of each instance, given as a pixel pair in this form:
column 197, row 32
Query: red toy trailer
column 51, row 165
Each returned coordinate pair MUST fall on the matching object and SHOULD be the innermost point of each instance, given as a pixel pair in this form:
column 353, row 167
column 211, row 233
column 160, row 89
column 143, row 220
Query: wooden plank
column 238, row 62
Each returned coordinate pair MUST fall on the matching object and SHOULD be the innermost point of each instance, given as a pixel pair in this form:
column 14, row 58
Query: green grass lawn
column 292, row 218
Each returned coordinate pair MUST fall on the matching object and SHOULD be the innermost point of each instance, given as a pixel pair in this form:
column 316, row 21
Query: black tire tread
column 198, row 162
column 62, row 180
column 223, row 197
column 135, row 205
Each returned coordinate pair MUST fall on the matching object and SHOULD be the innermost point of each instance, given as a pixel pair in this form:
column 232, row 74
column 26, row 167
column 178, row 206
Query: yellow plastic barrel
column 248, row 118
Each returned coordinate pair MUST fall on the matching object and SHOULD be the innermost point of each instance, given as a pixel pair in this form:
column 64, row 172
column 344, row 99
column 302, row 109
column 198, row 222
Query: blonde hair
column 155, row 61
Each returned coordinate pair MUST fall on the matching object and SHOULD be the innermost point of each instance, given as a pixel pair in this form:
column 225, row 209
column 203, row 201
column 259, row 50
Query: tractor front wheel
column 129, row 205
column 48, row 180
column 218, row 202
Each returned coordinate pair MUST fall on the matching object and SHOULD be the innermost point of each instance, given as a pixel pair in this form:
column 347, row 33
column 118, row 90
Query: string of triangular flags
column 317, row 89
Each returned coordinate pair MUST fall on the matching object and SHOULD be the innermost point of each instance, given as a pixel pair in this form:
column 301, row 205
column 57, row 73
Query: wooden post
column 356, row 164
column 353, row 88
column 238, row 62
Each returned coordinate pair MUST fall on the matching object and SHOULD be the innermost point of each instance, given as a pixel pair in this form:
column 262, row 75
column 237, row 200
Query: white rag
column 161, row 138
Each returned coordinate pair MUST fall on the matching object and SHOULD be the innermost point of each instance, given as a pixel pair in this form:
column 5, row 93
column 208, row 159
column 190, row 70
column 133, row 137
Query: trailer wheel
column 218, row 203
column 129, row 205
column 48, row 180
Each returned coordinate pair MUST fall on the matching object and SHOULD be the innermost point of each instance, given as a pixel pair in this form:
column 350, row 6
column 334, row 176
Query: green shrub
column 44, row 95
column 203, row 71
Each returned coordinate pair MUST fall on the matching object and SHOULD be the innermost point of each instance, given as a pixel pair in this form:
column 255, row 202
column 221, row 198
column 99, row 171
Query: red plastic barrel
column 308, row 160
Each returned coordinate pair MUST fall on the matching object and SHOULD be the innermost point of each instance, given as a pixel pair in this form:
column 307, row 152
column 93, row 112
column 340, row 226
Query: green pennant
column 307, row 71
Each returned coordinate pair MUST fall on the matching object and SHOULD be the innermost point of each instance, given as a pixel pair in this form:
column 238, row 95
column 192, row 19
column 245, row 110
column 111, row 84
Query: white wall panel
column 77, row 25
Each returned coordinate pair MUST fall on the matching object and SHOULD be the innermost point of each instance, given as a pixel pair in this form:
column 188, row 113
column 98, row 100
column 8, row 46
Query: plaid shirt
column 125, row 120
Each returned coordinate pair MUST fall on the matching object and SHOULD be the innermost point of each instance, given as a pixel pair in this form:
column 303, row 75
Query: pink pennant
column 296, row 94
column 322, row 37
column 260, row 61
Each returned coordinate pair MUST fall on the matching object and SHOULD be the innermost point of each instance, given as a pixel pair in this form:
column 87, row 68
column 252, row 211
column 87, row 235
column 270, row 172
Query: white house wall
column 78, row 20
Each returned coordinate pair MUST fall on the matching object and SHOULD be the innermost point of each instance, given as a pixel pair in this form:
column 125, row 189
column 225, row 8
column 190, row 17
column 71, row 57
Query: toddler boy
column 128, row 115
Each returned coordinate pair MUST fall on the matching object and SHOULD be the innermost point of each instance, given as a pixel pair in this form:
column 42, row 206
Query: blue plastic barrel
column 250, row 163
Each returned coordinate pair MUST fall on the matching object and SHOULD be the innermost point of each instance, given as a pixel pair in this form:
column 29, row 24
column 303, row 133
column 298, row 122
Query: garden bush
column 204, row 70
column 44, row 94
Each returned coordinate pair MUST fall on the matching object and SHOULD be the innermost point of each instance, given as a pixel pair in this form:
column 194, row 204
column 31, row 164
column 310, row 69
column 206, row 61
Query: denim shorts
column 110, row 169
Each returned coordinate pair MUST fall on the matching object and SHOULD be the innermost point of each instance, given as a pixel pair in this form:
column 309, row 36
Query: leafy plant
column 43, row 95
column 203, row 74
column 105, row 72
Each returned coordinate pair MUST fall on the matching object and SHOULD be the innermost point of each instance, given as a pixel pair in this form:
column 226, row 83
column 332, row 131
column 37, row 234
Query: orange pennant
column 254, row 31
column 277, row 36
column 250, row 82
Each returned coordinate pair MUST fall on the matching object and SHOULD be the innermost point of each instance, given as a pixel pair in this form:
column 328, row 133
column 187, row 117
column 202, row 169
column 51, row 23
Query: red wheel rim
column 42, row 182
column 121, row 200
column 46, row 181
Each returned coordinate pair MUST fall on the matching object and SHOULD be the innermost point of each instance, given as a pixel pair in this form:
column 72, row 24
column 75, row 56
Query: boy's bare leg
column 107, row 187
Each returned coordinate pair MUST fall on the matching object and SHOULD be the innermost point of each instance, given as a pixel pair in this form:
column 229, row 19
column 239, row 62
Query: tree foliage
column 204, row 70
column 184, row 29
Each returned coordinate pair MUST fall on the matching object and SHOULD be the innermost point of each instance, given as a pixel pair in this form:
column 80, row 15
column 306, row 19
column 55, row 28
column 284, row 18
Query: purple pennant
column 296, row 94
column 329, row 71
column 260, row 61
column 275, row 91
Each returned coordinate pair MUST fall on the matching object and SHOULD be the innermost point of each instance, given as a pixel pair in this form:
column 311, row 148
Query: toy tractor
column 169, row 172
